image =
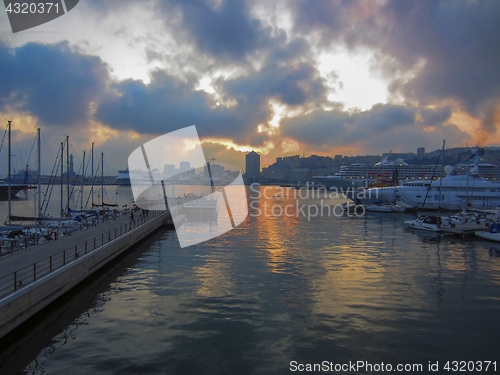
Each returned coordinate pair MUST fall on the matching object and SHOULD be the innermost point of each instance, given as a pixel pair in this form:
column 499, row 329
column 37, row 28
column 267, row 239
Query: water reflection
column 277, row 289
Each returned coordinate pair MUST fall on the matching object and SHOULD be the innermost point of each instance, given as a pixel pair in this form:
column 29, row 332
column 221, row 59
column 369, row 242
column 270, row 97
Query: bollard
column 34, row 271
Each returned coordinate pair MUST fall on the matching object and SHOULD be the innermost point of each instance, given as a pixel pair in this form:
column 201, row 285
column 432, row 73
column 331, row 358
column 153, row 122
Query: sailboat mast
column 9, row 123
column 467, row 189
column 441, row 179
column 92, row 176
column 67, row 172
column 62, row 167
column 39, row 174
column 83, row 176
column 102, row 179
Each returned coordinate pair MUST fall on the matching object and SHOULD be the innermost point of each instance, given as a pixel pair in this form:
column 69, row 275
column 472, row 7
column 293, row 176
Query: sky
column 278, row 77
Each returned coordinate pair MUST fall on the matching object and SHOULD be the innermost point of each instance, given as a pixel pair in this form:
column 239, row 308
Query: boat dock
column 464, row 230
column 31, row 279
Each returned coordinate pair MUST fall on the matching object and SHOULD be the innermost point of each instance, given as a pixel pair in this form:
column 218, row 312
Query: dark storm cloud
column 434, row 116
column 50, row 82
column 374, row 130
column 333, row 17
column 284, row 76
column 334, row 127
column 168, row 104
column 456, row 40
column 291, row 85
column 459, row 41
column 227, row 31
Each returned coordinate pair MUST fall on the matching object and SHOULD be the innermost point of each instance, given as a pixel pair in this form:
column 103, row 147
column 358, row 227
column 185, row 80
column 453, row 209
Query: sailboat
column 7, row 189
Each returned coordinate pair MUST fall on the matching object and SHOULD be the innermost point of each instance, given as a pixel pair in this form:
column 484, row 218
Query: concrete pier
column 31, row 279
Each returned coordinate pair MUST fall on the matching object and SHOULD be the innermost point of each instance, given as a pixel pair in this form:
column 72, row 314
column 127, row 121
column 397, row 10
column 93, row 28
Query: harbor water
column 284, row 289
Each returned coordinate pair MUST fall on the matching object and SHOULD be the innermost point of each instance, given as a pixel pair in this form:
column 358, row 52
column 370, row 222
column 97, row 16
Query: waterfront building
column 420, row 153
column 252, row 167
column 184, row 166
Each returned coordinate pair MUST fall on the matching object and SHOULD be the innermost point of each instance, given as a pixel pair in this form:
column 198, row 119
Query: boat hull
column 489, row 236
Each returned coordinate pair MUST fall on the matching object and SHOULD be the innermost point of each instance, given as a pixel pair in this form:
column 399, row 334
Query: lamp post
column 118, row 190
column 102, row 193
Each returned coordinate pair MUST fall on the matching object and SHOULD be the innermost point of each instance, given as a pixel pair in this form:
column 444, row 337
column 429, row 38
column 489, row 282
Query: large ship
column 385, row 172
column 489, row 171
column 453, row 192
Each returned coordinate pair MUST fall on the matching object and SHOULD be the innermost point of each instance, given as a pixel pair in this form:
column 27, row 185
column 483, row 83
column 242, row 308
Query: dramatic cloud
column 283, row 77
column 225, row 29
column 389, row 126
column 168, row 104
column 435, row 116
column 50, row 82
column 130, row 71
column 456, row 42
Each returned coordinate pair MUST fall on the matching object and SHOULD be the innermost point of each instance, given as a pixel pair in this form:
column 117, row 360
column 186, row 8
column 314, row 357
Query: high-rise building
column 184, row 166
column 252, row 168
column 420, row 153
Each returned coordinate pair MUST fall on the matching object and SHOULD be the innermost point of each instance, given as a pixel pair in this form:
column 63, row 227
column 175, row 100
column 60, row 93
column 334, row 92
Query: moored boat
column 430, row 223
column 493, row 234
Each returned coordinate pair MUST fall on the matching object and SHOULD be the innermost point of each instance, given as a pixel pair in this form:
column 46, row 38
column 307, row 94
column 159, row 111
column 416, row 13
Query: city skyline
column 284, row 78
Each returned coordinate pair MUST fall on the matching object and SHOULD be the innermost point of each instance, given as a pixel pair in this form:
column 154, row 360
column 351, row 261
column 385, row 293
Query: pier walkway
column 25, row 266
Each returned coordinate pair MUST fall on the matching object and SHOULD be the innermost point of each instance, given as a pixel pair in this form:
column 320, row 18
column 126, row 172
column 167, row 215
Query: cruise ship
column 453, row 192
column 383, row 173
column 489, row 171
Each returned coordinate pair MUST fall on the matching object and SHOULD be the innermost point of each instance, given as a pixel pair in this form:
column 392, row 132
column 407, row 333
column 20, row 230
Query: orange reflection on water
column 214, row 276
column 276, row 227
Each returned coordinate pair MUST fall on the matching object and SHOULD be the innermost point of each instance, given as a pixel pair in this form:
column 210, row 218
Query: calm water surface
column 282, row 289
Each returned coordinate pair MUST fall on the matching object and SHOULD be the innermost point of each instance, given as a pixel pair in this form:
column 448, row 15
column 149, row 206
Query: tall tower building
column 252, row 167
column 420, row 153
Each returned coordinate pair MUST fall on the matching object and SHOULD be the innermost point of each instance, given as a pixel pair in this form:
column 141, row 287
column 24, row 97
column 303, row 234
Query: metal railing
column 24, row 276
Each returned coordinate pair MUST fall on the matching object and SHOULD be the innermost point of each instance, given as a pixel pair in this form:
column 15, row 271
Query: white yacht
column 452, row 192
